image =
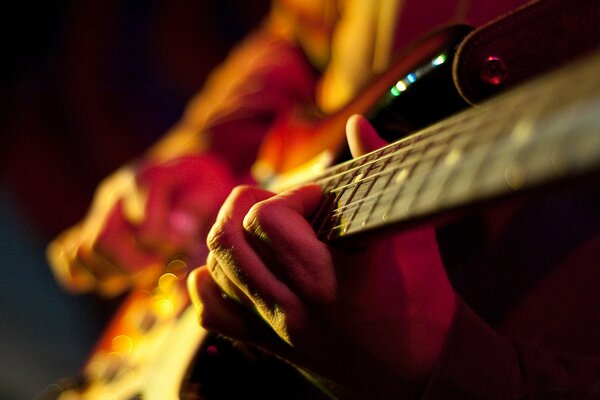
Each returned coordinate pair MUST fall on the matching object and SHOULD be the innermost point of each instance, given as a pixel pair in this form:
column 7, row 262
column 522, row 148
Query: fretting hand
column 364, row 316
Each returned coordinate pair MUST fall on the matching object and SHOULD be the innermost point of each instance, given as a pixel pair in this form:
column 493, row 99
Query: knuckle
column 220, row 237
column 261, row 216
column 223, row 232
column 256, row 222
column 241, row 191
column 254, row 217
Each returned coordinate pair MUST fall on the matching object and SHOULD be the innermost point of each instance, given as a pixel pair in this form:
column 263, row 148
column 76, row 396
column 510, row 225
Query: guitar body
column 415, row 92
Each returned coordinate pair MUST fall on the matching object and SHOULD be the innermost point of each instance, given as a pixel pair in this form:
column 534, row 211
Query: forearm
column 479, row 363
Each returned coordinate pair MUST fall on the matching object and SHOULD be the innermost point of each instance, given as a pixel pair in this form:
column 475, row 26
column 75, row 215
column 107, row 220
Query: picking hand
column 140, row 221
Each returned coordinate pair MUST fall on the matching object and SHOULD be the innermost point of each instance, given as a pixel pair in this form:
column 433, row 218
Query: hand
column 141, row 219
column 372, row 317
column 138, row 222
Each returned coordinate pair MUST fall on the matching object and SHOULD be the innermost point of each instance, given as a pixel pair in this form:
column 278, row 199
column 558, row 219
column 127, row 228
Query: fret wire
column 414, row 158
column 322, row 216
column 325, row 213
column 409, row 190
column 435, row 192
column 431, row 175
column 376, row 195
column 385, row 191
column 398, row 189
column 485, row 151
column 383, row 163
column 357, row 184
column 428, row 137
column 372, row 176
column 429, row 157
column 370, row 183
column 385, row 151
column 491, row 146
column 391, row 196
column 416, row 163
column 423, row 138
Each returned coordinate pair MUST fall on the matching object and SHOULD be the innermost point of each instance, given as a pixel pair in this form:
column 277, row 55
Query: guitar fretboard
column 543, row 131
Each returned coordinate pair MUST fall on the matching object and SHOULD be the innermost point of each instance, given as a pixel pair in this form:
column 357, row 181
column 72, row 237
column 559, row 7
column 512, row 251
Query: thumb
column 362, row 137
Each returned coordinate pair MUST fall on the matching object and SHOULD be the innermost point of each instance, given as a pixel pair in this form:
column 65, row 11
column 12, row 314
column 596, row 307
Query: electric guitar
column 541, row 133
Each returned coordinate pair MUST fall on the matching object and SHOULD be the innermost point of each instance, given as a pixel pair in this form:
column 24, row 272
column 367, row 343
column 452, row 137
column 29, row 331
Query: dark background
column 86, row 86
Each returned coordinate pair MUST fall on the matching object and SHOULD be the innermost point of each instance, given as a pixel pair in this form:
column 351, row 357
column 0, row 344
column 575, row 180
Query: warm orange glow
column 163, row 307
column 122, row 344
column 178, row 267
column 167, row 282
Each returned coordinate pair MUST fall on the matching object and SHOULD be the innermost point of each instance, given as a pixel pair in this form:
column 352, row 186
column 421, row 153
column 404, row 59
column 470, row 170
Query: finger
column 227, row 286
column 116, row 259
column 80, row 269
column 362, row 137
column 61, row 254
column 229, row 245
column 283, row 233
column 215, row 312
column 225, row 316
column 109, row 279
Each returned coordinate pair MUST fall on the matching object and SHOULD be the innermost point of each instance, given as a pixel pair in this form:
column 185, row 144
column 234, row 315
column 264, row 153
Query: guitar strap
column 531, row 40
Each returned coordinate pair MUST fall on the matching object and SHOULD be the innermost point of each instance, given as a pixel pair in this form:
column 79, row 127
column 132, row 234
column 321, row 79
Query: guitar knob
column 494, row 71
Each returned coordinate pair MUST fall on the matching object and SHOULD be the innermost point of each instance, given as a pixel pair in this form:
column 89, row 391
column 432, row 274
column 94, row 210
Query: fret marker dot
column 402, row 175
column 523, row 131
column 453, row 157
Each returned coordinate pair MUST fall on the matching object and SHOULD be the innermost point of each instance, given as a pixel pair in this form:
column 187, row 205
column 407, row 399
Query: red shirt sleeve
column 478, row 363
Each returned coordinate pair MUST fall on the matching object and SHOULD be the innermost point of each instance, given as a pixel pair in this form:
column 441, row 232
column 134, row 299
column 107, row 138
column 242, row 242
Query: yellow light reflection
column 122, row 344
column 178, row 267
column 167, row 281
column 453, row 157
column 401, row 86
column 163, row 307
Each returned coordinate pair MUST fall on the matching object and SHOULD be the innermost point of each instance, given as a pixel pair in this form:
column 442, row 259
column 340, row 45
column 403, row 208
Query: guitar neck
column 541, row 132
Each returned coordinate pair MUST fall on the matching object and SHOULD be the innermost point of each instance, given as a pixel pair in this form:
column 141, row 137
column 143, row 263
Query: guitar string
column 359, row 172
column 431, row 134
column 422, row 178
column 442, row 128
column 507, row 150
column 422, row 138
column 429, row 157
column 412, row 153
